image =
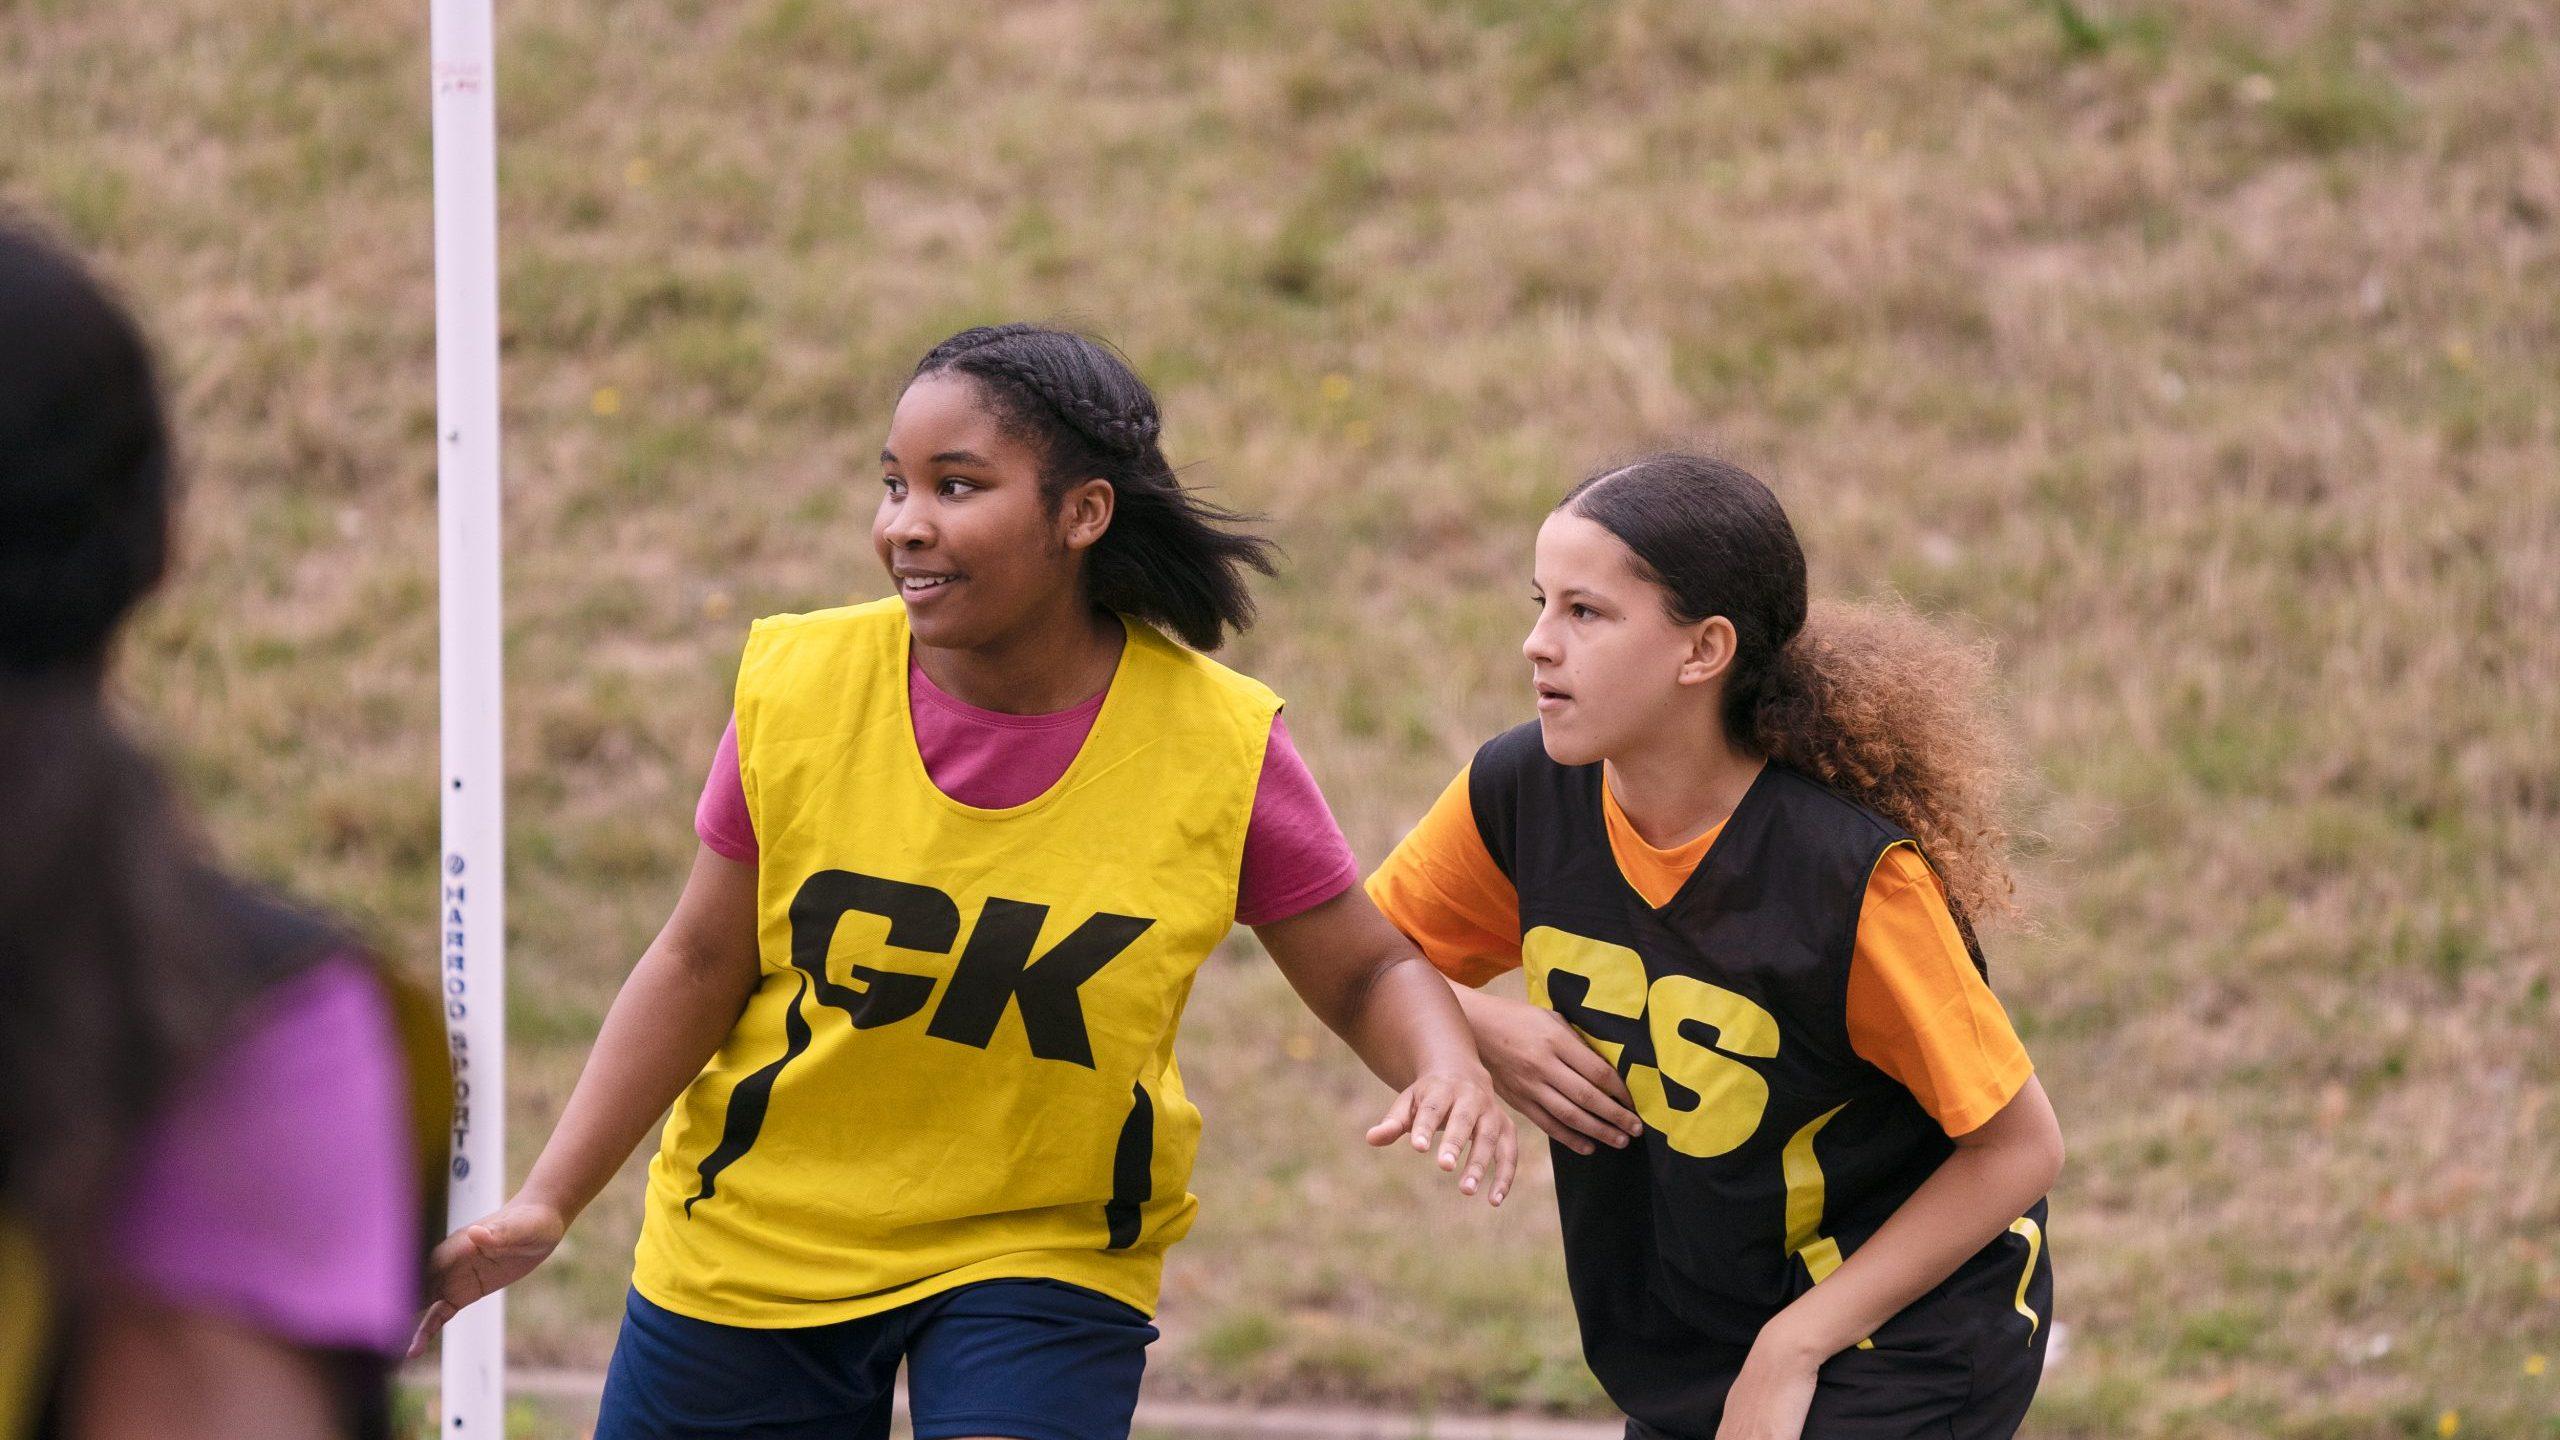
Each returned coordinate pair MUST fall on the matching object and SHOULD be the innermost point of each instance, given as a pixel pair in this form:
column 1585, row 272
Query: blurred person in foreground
column 213, row 1108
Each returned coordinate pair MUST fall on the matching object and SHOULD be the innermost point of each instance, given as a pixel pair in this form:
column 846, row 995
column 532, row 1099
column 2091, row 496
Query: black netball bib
column 1771, row 1150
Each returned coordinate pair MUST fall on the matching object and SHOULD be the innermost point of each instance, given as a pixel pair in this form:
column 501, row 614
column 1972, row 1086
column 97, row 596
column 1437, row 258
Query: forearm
column 1473, row 1004
column 664, row 1026
column 1405, row 1022
column 1975, row 1195
column 1361, row 977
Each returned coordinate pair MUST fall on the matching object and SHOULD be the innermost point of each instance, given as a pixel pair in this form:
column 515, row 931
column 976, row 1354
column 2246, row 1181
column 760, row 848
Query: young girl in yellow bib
column 964, row 853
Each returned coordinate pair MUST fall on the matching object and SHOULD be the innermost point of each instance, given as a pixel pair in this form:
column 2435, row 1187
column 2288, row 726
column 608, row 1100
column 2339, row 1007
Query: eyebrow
column 946, row 457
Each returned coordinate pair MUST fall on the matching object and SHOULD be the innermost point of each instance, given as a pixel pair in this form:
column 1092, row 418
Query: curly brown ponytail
column 1884, row 707
column 1871, row 700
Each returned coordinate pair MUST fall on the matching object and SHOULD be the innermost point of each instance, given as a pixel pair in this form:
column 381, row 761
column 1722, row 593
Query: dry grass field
column 2204, row 355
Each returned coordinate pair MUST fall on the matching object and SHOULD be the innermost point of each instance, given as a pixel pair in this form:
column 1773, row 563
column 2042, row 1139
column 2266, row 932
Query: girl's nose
column 1540, row 646
column 908, row 526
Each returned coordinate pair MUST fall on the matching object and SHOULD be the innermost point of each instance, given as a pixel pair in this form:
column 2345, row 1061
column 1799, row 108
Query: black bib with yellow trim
column 1771, row 1150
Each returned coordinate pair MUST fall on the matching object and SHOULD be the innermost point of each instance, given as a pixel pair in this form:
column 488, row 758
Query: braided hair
column 1169, row 557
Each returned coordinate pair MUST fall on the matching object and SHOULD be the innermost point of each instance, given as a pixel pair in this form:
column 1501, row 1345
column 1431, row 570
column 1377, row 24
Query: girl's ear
column 1084, row 512
column 1712, row 644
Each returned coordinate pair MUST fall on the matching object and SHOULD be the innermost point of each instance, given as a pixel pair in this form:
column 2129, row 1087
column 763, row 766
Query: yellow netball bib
column 958, row 1065
column 26, row 1316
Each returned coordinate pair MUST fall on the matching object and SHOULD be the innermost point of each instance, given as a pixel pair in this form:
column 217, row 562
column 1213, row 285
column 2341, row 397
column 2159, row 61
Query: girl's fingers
column 1505, row 1142
column 1621, row 1124
column 1479, row 1156
column 450, row 1269
column 428, row 1326
column 1580, row 1120
column 1555, row 1129
column 1484, row 1152
column 1587, row 1063
column 1398, row 1119
column 1461, row 1134
column 1428, row 1112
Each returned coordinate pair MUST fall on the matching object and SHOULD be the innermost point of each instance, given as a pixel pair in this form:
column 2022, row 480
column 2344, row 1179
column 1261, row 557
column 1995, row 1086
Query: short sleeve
column 1442, row 888
column 1919, row 1010
column 721, row 817
column 1294, row 855
column 277, row 1189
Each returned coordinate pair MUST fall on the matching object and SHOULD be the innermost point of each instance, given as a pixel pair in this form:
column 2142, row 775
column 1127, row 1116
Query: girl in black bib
column 1801, row 1157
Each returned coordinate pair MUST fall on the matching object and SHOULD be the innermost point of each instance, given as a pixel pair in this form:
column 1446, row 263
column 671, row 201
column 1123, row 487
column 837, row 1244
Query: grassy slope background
column 2202, row 356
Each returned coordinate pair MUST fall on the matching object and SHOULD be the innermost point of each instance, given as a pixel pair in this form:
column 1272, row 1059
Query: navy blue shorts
column 1022, row 1359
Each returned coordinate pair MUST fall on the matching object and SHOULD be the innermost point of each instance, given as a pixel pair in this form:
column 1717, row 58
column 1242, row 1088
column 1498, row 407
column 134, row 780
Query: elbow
column 1359, row 992
column 2048, row 1159
column 701, row 966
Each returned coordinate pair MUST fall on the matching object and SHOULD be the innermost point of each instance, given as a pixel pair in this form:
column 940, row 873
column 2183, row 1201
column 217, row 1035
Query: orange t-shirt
column 1917, row 1008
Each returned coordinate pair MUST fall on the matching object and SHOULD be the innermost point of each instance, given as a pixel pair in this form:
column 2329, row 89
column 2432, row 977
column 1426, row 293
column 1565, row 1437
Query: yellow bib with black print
column 958, row 1063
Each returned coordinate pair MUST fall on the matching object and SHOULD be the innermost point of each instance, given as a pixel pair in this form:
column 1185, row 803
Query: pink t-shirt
column 1294, row 855
column 276, row 1188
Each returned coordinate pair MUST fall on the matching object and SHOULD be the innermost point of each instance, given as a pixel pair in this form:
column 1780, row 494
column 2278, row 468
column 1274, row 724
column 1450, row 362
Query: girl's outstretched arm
column 681, row 1001
column 1363, row 979
column 1998, row 1171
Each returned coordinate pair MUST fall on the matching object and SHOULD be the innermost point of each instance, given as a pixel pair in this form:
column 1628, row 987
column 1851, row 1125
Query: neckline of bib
column 1102, row 723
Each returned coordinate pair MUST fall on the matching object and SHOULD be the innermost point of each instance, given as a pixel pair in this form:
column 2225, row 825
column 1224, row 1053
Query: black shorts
column 1960, row 1366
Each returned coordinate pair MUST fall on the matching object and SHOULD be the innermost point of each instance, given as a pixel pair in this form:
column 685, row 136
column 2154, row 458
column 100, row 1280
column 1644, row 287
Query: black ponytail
column 1170, row 557
column 1871, row 700
column 116, row 970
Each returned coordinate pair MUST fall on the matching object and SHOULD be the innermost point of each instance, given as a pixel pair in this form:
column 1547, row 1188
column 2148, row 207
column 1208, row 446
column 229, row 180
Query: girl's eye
column 954, row 488
column 1581, row 612
column 895, row 485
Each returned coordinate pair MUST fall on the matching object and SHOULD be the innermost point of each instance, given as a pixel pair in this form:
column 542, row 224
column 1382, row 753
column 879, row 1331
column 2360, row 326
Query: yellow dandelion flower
column 1335, row 388
column 607, row 401
column 2534, row 1365
column 2449, row 1424
column 636, row 173
column 1301, row 1046
column 2457, row 353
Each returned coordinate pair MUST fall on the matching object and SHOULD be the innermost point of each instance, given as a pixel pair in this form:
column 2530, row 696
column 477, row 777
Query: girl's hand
column 1463, row 1101
column 486, row 1256
column 1542, row 1069
column 1770, row 1397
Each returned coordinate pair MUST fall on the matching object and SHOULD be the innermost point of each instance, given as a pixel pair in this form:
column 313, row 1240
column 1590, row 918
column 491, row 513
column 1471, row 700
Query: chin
column 935, row 630
column 1564, row 746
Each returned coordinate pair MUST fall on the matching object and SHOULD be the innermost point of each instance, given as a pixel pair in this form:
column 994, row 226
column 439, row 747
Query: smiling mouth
column 1549, row 692
column 923, row 584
